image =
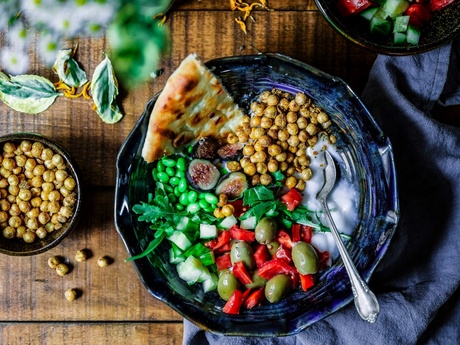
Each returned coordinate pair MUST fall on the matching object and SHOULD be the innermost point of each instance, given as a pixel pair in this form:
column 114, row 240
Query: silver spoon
column 365, row 301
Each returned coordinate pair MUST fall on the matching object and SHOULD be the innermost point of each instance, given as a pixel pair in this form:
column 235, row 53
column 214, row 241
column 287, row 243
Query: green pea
column 193, row 208
column 192, row 196
column 174, row 181
column 169, row 162
column 182, row 185
column 183, row 199
column 190, row 149
column 177, row 192
column 180, row 164
column 170, row 171
column 163, row 177
column 180, row 173
column 179, row 207
column 172, row 198
column 160, row 166
column 201, row 195
column 154, row 174
column 209, row 209
column 203, row 203
column 168, row 188
column 211, row 198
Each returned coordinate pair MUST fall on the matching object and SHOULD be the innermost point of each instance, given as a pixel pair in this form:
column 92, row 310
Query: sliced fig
column 205, row 148
column 232, row 185
column 202, row 174
column 231, row 152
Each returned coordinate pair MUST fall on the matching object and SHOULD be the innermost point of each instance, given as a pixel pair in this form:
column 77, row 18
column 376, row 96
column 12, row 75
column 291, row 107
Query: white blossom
column 48, row 47
column 14, row 61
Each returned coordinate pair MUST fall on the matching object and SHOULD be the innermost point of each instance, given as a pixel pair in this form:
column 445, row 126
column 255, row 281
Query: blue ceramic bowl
column 443, row 27
column 369, row 163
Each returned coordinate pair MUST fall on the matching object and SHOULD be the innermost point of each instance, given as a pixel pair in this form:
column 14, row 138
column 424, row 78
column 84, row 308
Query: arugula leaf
column 104, row 90
column 153, row 244
column 257, row 194
column 68, row 69
column 27, row 93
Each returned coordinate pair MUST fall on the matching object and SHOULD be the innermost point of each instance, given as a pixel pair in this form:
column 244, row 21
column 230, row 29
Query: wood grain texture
column 113, row 306
column 91, row 334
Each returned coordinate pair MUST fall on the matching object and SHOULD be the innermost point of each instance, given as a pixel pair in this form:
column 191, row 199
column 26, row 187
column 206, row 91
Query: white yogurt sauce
column 342, row 201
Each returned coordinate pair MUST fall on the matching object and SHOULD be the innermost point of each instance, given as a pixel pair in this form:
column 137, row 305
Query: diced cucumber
column 228, row 222
column 180, row 240
column 193, row 271
column 413, row 35
column 399, row 37
column 186, row 224
column 380, row 26
column 211, row 283
column 401, row 23
column 395, row 8
column 175, row 255
column 208, row 231
column 368, row 13
column 248, row 223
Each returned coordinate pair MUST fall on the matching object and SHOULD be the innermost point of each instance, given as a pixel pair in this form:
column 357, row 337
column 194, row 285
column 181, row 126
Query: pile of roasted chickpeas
column 37, row 193
column 276, row 135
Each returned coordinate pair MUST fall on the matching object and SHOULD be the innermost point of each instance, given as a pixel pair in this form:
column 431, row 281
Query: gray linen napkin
column 417, row 281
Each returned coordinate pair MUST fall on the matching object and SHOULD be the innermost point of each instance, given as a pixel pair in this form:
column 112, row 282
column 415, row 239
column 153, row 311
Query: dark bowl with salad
column 394, row 27
column 268, row 267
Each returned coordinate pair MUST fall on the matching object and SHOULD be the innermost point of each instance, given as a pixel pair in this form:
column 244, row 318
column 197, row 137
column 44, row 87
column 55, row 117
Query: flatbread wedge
column 193, row 104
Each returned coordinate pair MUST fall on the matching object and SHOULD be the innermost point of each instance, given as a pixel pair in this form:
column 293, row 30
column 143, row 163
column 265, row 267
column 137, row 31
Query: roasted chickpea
column 272, row 100
column 322, row 117
column 227, row 210
column 20, row 231
column 233, row 166
column 300, row 186
column 306, row 174
column 270, row 111
column 29, row 236
column 283, row 135
column 291, row 117
column 232, row 138
column 292, row 128
column 272, row 165
column 250, row 169
column 21, row 160
column 54, row 195
column 332, row 139
column 71, row 295
column 293, row 141
column 244, row 161
column 32, row 224
column 3, row 216
column 290, row 182
column 25, row 194
column 300, row 98
column 245, row 119
column 36, row 149
column 222, row 200
column 265, row 179
column 258, row 146
column 294, row 106
column 280, row 120
column 261, row 168
column 255, row 179
column 283, row 166
column 9, row 232
column 281, row 157
column 257, row 108
column 248, row 150
column 265, row 141
column 243, row 137
column 218, row 213
column 62, row 269
column 266, row 122
column 60, row 175
column 39, row 170
column 103, row 261
column 274, row 150
column 24, row 206
column 44, row 217
column 312, row 141
column 283, row 104
column 14, row 210
column 311, row 129
column 41, row 232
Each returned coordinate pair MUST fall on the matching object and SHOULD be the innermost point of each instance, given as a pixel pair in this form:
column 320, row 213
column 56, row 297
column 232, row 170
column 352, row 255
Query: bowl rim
column 74, row 169
column 144, row 268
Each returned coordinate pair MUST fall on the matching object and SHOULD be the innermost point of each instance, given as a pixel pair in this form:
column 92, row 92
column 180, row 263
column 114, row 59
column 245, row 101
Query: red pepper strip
column 211, row 244
column 223, row 262
column 291, row 199
column 261, row 255
column 241, row 273
column 284, row 254
column 222, row 239
column 234, row 303
column 306, row 233
column 295, row 230
column 242, row 234
column 284, row 239
column 435, row 5
column 274, row 267
column 306, row 281
column 246, row 294
column 224, row 249
column 349, row 7
column 255, row 298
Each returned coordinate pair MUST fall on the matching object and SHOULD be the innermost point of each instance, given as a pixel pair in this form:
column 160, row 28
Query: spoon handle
column 365, row 301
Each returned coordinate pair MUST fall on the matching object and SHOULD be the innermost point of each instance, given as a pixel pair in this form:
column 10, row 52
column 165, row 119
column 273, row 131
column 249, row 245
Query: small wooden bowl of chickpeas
column 40, row 194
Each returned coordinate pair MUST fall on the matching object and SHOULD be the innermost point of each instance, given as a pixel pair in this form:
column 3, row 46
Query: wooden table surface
column 114, row 307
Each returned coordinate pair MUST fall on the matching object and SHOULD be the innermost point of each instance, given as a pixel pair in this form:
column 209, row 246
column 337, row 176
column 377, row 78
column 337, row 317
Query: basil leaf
column 104, row 90
column 27, row 93
column 68, row 69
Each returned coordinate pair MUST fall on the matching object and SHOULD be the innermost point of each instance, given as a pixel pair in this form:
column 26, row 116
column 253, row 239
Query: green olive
column 277, row 287
column 273, row 247
column 305, row 258
column 257, row 281
column 266, row 230
column 226, row 285
column 242, row 251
